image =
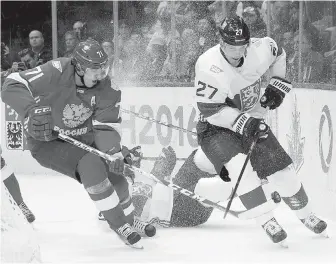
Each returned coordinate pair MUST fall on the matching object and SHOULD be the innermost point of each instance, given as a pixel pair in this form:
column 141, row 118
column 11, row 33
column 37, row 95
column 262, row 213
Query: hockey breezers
column 245, row 214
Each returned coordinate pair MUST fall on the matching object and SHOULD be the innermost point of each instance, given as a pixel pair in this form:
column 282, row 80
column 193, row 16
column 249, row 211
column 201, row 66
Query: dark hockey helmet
column 234, row 31
column 89, row 54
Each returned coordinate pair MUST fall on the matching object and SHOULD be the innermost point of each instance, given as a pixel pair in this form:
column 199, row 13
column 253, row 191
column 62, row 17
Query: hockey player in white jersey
column 231, row 106
column 228, row 97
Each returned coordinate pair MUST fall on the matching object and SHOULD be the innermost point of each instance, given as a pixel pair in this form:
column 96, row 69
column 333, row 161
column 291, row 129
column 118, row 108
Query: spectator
column 133, row 63
column 81, row 30
column 279, row 20
column 41, row 53
column 308, row 27
column 160, row 46
column 5, row 61
column 27, row 58
column 27, row 62
column 124, row 35
column 288, row 43
column 252, row 17
column 196, row 43
column 312, row 61
column 109, row 50
column 71, row 41
column 330, row 57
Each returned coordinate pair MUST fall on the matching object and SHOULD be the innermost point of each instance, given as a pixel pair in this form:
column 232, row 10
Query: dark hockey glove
column 250, row 128
column 39, row 123
column 275, row 93
column 128, row 160
column 117, row 165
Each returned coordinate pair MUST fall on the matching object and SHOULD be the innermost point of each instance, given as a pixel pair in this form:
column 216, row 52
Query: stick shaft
column 181, row 190
column 157, row 121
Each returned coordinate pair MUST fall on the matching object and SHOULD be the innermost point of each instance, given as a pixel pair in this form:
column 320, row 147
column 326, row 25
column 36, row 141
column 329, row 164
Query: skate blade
column 136, row 245
column 283, row 244
column 324, row 234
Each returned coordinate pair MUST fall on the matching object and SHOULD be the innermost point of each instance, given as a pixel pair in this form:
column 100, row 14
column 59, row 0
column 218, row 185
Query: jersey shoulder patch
column 57, row 65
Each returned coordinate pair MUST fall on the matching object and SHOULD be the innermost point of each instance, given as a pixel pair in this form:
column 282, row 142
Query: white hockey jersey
column 222, row 91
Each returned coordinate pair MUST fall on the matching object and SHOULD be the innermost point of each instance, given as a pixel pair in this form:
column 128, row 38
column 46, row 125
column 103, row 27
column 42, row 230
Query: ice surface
column 69, row 232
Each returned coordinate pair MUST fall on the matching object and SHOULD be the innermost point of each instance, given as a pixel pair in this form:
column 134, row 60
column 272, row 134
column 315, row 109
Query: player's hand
column 251, row 128
column 39, row 123
column 275, row 93
column 128, row 160
column 118, row 161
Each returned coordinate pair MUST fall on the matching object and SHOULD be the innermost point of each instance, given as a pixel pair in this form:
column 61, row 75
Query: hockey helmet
column 89, row 54
column 234, row 31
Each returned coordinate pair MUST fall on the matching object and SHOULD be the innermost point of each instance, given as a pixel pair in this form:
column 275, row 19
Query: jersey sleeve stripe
column 106, row 126
column 209, row 109
column 16, row 77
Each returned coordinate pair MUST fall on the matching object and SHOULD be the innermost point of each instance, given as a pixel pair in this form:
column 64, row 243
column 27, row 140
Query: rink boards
column 305, row 125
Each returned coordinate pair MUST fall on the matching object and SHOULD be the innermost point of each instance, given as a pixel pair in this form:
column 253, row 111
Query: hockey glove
column 250, row 128
column 39, row 123
column 128, row 160
column 117, row 165
column 275, row 93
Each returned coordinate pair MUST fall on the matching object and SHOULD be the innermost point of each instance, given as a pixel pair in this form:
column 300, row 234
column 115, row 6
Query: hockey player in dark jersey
column 74, row 96
column 7, row 173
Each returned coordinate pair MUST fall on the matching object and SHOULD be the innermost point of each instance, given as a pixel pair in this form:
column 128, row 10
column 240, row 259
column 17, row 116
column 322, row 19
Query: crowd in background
column 150, row 48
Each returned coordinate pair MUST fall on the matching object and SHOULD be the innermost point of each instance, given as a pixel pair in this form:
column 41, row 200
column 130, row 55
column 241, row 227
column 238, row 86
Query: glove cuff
column 240, row 122
column 281, row 84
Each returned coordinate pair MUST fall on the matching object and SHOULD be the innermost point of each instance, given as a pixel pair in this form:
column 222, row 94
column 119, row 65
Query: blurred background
column 156, row 43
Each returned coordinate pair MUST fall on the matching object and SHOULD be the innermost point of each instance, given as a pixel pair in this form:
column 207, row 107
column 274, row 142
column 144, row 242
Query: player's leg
column 222, row 146
column 12, row 184
column 271, row 160
column 160, row 204
column 122, row 188
column 91, row 171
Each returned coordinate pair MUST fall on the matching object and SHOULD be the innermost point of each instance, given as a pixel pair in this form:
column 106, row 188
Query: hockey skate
column 129, row 236
column 315, row 224
column 143, row 228
column 275, row 232
column 27, row 213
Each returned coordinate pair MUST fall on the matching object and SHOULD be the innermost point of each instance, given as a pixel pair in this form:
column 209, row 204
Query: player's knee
column 214, row 189
column 285, row 181
column 91, row 170
column 114, row 140
column 202, row 162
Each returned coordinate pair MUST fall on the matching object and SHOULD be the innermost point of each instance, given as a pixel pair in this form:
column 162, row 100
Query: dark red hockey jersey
column 85, row 114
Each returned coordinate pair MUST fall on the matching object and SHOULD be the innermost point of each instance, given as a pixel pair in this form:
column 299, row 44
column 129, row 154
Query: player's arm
column 211, row 99
column 20, row 94
column 107, row 130
column 16, row 92
column 220, row 111
column 107, row 120
column 278, row 87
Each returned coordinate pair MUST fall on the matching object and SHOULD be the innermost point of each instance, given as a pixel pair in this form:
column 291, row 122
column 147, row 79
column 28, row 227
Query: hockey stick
column 240, row 176
column 158, row 122
column 239, row 214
